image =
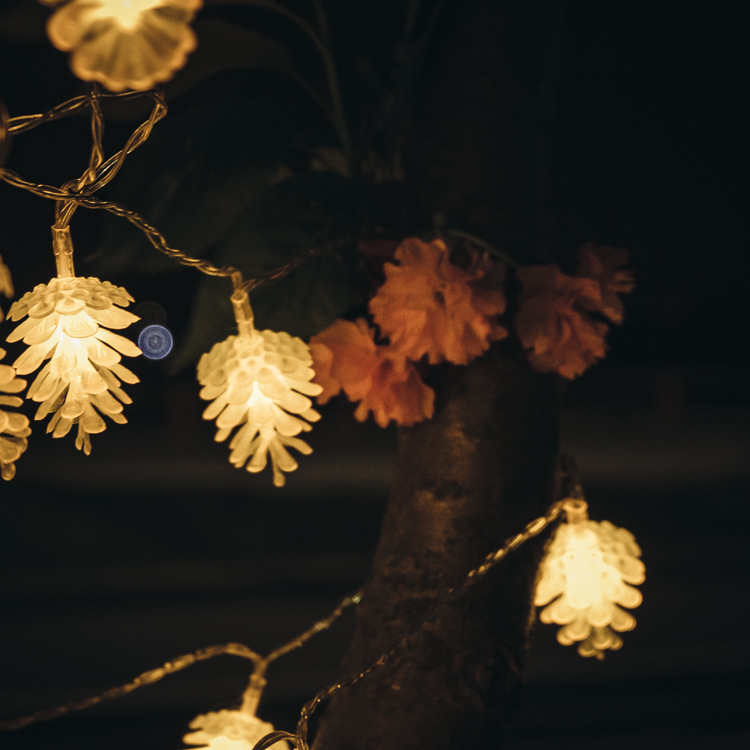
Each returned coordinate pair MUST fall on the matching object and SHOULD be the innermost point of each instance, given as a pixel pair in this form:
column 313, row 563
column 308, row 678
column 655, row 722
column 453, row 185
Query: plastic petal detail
column 255, row 382
column 14, row 428
column 584, row 582
column 66, row 325
column 229, row 730
column 125, row 44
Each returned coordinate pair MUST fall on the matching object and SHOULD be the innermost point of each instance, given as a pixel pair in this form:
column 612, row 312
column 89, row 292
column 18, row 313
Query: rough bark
column 464, row 482
column 485, row 465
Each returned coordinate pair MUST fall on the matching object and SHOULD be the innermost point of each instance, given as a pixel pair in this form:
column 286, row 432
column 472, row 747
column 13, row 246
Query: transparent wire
column 261, row 663
column 149, row 677
column 152, row 676
column 531, row 530
column 101, row 171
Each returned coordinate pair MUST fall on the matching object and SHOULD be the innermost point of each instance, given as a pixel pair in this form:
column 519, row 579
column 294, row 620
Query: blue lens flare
column 155, row 342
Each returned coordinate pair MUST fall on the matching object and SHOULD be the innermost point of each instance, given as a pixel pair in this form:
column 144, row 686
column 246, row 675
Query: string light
column 241, row 729
column 531, row 530
column 14, row 427
column 229, row 730
column 276, row 436
column 125, row 44
column 237, row 729
column 69, row 322
column 256, row 381
column 585, row 579
column 69, row 318
column 213, row 727
column 148, row 677
column 152, row 676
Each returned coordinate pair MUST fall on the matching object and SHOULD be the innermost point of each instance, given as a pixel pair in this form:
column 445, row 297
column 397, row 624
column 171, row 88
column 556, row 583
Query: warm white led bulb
column 68, row 324
column 14, row 427
column 585, row 581
column 229, row 730
column 125, row 44
column 256, row 381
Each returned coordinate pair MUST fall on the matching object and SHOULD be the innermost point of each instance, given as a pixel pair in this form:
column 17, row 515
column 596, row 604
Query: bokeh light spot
column 155, row 342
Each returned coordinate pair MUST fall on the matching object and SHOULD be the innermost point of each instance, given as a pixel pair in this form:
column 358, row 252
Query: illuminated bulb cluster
column 125, row 44
column 584, row 581
column 14, row 428
column 68, row 323
column 229, row 730
column 255, row 381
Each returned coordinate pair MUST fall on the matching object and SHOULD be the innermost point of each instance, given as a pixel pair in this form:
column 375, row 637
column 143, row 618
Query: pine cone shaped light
column 14, row 427
column 256, row 381
column 125, row 44
column 229, row 730
column 68, row 324
column 585, row 579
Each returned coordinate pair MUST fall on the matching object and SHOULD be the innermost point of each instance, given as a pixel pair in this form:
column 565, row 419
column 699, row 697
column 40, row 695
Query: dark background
column 155, row 545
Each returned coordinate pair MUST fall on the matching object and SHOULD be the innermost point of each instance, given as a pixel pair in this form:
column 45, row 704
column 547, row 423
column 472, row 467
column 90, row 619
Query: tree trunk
column 485, row 465
column 465, row 481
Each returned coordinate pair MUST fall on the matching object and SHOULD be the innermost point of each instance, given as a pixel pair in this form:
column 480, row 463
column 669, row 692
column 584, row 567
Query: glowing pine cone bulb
column 256, row 381
column 585, row 579
column 125, row 44
column 68, row 324
column 229, row 730
column 14, row 428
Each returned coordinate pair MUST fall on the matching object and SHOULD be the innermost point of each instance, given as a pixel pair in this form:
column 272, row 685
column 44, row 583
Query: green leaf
column 311, row 297
column 223, row 46
column 192, row 179
column 286, row 222
column 211, row 321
